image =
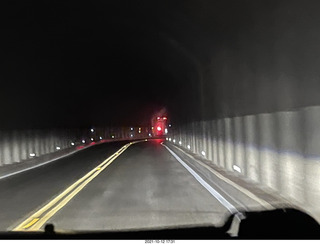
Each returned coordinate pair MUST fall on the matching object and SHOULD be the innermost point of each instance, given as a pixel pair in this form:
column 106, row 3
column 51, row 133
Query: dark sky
column 75, row 63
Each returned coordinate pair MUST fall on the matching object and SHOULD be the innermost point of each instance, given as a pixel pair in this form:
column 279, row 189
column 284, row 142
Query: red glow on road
column 92, row 143
column 79, row 147
column 158, row 140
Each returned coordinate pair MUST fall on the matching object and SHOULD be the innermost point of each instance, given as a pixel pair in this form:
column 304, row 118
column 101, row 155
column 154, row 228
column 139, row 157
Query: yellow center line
column 58, row 198
column 29, row 221
column 61, row 204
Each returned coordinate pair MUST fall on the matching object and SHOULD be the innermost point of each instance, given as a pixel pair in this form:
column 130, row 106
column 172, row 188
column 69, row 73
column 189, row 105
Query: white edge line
column 235, row 185
column 232, row 209
column 44, row 163
column 41, row 164
column 50, row 161
column 221, row 189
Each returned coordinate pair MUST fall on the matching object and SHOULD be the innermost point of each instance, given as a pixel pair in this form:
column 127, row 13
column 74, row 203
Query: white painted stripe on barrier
column 232, row 209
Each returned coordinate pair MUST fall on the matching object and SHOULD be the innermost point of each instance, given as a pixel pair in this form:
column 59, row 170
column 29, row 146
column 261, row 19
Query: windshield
column 139, row 115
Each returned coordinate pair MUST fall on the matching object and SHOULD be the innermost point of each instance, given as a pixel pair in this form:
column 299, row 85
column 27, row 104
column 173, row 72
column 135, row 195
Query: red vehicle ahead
column 159, row 126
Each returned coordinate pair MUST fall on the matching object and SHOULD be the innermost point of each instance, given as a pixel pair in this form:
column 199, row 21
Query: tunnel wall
column 264, row 61
column 18, row 146
column 278, row 151
column 259, row 94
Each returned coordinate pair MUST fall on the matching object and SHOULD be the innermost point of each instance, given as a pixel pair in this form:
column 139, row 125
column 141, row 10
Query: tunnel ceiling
column 75, row 63
column 97, row 62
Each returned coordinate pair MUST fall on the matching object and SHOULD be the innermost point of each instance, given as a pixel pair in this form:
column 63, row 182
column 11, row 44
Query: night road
column 194, row 117
column 116, row 186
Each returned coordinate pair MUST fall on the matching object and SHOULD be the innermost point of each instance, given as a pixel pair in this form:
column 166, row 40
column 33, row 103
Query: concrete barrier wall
column 18, row 146
column 280, row 151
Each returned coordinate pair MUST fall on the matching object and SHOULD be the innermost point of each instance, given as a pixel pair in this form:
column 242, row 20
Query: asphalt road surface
column 110, row 186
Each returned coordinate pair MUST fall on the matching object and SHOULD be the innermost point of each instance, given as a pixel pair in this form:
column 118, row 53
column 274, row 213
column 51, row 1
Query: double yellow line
column 38, row 219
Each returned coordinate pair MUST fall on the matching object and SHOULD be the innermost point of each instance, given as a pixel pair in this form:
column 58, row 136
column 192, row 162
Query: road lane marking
column 44, row 163
column 61, row 204
column 235, row 185
column 47, row 162
column 58, row 198
column 232, row 209
column 55, row 205
column 31, row 223
column 63, row 194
